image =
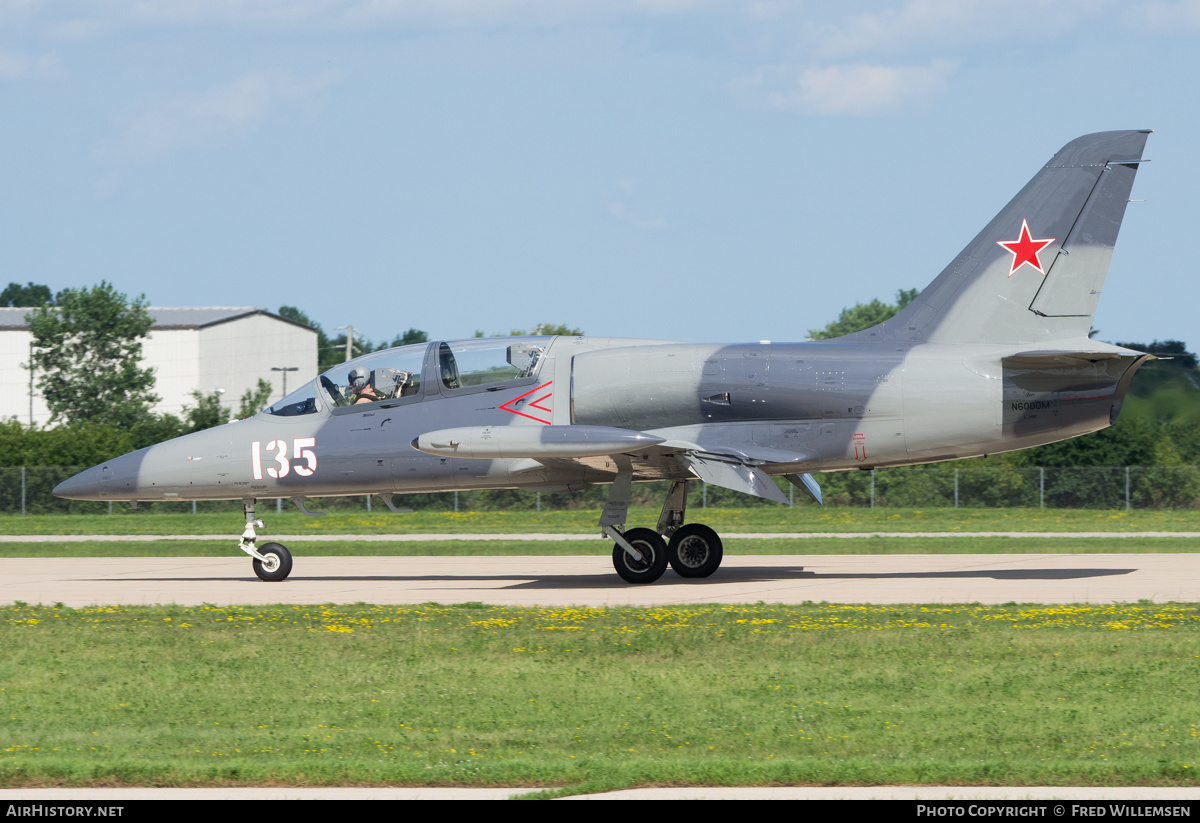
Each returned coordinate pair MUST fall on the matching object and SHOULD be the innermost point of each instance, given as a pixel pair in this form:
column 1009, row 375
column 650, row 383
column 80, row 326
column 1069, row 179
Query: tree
column 551, row 328
column 255, row 400
column 296, row 316
column 336, row 353
column 1175, row 349
column 86, row 355
column 539, row 329
column 208, row 411
column 409, row 338
column 30, row 296
column 863, row 316
column 327, row 350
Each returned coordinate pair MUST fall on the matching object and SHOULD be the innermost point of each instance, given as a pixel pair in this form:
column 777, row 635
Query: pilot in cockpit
column 360, row 386
column 369, row 386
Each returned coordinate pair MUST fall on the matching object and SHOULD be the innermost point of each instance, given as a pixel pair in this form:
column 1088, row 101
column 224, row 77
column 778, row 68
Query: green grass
column 809, row 518
column 225, row 527
column 594, row 699
column 562, row 548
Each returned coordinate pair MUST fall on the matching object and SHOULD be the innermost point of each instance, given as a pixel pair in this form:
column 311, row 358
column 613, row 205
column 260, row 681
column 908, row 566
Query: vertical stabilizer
column 1035, row 273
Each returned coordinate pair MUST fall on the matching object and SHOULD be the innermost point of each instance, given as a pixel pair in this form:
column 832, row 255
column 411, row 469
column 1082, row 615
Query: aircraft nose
column 83, row 486
column 111, row 480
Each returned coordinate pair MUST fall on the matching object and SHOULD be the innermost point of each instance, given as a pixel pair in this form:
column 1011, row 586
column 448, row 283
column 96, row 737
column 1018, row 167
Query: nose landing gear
column 276, row 565
column 273, row 562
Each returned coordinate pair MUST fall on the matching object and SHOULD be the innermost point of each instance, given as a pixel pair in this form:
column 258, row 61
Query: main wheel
column 654, row 557
column 695, row 551
column 277, row 566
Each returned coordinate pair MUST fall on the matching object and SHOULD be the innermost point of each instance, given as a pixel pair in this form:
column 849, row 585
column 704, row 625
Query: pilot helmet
column 358, row 378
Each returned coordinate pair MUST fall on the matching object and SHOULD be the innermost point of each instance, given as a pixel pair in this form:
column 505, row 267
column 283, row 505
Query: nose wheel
column 272, row 562
column 276, row 564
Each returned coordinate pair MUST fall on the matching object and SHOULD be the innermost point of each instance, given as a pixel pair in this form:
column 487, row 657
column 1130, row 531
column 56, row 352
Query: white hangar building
column 190, row 349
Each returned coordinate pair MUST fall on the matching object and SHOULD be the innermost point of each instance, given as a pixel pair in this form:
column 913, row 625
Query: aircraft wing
column 735, row 468
column 736, row 475
column 738, row 468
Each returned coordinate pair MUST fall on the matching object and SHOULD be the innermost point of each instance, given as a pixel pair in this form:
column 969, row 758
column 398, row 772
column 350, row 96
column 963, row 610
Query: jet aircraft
column 992, row 356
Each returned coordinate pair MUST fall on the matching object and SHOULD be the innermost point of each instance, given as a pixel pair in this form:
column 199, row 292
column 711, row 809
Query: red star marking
column 533, row 404
column 1025, row 250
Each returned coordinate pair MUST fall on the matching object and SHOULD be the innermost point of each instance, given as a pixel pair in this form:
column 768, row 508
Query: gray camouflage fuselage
column 993, row 356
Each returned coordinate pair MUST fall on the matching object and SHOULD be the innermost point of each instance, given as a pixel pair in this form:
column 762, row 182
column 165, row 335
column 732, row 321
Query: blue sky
column 680, row 169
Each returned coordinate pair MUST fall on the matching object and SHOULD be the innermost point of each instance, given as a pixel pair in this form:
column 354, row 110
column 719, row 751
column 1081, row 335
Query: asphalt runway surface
column 591, row 580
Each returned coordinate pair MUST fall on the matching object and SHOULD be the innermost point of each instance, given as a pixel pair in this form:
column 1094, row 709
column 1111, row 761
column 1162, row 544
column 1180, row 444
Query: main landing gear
column 642, row 555
column 272, row 562
column 695, row 551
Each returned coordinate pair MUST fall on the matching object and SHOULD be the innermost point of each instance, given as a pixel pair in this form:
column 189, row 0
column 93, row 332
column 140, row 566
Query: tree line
column 86, row 359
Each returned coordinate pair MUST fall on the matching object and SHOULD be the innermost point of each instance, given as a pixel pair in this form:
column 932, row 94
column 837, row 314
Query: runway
column 591, row 581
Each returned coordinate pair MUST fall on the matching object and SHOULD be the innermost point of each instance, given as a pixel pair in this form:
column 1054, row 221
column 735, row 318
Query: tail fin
column 1035, row 273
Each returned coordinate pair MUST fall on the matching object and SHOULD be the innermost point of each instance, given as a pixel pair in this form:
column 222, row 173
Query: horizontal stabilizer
column 483, row 442
column 807, row 484
column 1053, row 358
column 735, row 476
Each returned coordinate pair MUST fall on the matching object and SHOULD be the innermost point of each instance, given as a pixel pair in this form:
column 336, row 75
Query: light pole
column 285, row 370
column 349, row 341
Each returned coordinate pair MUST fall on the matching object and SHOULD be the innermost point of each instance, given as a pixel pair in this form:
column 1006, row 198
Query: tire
column 695, row 551
column 278, row 565
column 654, row 557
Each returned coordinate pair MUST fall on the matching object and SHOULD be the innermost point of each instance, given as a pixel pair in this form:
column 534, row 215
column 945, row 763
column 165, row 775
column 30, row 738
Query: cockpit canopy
column 402, row 375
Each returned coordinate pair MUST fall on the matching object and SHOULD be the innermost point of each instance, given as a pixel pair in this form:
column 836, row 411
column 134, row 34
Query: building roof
column 164, row 317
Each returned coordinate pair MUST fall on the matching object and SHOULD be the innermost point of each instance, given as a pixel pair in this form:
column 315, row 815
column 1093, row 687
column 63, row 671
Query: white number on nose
column 302, row 450
column 280, row 447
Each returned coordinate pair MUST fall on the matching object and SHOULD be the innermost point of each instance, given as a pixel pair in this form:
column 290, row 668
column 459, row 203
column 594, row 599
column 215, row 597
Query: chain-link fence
column 28, row 490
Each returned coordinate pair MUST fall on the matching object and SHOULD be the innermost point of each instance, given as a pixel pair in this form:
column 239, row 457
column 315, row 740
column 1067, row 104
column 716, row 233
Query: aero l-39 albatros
column 992, row 356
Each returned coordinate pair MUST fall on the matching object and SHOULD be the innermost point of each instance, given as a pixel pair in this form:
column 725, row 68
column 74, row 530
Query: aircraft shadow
column 776, row 574
column 608, row 580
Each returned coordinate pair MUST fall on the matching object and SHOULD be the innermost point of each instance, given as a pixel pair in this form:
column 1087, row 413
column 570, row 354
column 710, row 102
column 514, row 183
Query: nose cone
column 114, row 479
column 192, row 466
column 83, row 486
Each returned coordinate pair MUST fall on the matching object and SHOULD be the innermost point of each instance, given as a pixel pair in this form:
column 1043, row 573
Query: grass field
column 580, row 700
column 225, row 528
column 583, row 521
column 594, row 699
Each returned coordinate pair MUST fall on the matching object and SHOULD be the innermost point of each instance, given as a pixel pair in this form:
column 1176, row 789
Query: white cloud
column 208, row 11
column 848, row 90
column 1165, row 16
column 622, row 207
column 419, row 12
column 15, row 65
column 221, row 113
column 76, row 28
column 920, row 22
